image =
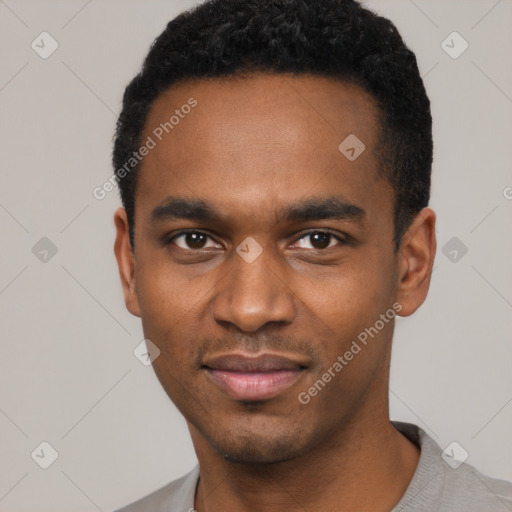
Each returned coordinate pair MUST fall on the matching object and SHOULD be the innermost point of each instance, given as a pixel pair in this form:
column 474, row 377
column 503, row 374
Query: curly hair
column 337, row 39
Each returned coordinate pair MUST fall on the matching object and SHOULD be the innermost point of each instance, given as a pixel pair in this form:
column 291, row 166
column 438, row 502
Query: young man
column 274, row 162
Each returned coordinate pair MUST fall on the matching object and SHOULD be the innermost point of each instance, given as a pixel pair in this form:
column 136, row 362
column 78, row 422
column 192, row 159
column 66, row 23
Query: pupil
column 195, row 240
column 320, row 240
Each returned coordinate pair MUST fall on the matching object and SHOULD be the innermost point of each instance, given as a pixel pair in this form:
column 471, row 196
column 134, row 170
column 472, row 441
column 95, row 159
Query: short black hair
column 339, row 39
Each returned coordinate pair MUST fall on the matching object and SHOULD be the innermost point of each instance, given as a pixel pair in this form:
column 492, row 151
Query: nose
column 253, row 294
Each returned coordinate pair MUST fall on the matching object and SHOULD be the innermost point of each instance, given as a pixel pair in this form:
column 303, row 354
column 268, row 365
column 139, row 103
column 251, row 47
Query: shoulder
column 466, row 488
column 443, row 483
column 178, row 495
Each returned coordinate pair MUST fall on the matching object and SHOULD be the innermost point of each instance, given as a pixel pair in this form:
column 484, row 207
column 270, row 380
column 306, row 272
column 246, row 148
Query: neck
column 367, row 465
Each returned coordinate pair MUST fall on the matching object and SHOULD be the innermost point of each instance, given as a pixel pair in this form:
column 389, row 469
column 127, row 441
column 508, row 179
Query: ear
column 125, row 261
column 416, row 259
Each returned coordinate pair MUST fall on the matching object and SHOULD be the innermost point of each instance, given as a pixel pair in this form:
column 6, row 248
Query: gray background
column 68, row 375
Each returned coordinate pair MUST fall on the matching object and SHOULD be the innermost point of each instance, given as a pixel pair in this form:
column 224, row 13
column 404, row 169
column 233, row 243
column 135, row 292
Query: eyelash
column 342, row 241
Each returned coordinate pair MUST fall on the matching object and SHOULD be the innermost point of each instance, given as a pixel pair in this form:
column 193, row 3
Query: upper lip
column 249, row 363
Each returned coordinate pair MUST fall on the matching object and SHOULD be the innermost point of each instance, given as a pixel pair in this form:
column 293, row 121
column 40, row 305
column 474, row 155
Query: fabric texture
column 435, row 486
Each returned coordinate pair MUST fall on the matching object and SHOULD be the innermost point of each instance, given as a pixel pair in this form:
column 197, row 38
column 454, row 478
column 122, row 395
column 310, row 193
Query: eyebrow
column 312, row 209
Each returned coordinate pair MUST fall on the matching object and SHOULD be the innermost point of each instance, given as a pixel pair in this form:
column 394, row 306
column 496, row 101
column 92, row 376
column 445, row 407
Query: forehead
column 262, row 141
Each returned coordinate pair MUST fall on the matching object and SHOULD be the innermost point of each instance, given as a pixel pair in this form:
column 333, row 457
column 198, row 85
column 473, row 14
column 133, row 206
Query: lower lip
column 254, row 385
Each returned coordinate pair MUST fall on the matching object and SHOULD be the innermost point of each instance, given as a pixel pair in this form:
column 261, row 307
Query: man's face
column 260, row 156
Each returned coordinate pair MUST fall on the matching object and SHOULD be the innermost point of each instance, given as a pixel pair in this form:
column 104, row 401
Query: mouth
column 251, row 378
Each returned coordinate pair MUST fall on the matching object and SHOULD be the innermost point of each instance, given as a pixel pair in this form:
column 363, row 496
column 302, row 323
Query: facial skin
column 250, row 149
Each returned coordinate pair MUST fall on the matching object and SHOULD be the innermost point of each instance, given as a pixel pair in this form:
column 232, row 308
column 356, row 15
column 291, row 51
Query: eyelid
column 168, row 239
column 343, row 239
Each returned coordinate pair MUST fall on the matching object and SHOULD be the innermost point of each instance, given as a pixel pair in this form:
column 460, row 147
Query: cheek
column 165, row 304
column 164, row 295
column 354, row 295
column 346, row 305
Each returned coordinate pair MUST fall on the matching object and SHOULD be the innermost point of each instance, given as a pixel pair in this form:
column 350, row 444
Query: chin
column 258, row 455
column 265, row 447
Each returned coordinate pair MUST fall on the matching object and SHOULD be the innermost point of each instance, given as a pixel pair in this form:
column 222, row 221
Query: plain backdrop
column 68, row 375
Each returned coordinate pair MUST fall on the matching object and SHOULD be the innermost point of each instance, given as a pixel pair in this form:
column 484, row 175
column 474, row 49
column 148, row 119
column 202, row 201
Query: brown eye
column 192, row 240
column 318, row 240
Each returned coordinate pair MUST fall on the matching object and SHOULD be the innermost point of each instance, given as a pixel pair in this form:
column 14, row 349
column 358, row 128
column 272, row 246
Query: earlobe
column 125, row 261
column 416, row 259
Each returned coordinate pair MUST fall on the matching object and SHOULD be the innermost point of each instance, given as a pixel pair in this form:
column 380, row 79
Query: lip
column 248, row 377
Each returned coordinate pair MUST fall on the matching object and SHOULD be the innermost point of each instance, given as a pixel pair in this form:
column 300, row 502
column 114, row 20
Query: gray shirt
column 435, row 487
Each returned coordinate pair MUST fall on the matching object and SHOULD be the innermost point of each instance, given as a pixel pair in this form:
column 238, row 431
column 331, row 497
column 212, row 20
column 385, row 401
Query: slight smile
column 251, row 378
